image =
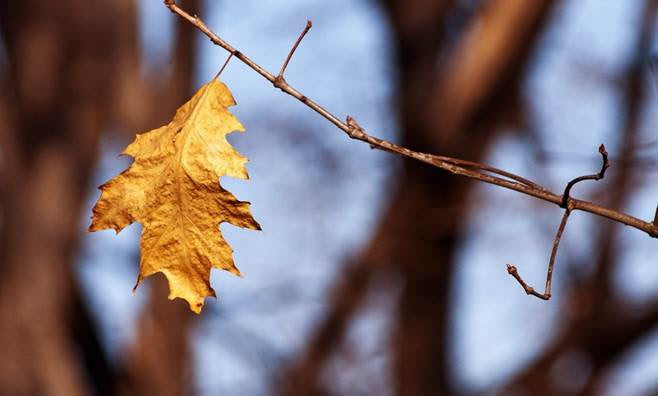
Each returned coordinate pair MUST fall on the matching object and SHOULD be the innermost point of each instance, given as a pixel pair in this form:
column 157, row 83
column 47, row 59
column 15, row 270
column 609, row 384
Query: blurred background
column 373, row 275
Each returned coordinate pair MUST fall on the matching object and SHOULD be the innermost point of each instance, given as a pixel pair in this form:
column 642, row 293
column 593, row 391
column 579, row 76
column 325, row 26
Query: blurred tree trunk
column 159, row 361
column 59, row 62
column 456, row 111
column 72, row 72
column 598, row 326
column 429, row 209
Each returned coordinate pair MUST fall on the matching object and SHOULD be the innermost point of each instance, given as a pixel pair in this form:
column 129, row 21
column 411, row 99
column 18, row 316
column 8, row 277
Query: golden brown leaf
column 172, row 188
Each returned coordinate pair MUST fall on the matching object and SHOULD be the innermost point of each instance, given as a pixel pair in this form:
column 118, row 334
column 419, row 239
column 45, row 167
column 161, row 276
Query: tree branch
column 597, row 176
column 308, row 27
column 551, row 263
column 558, row 236
column 452, row 165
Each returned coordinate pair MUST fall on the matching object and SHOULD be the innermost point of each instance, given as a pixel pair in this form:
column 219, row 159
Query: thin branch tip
column 551, row 262
column 596, row 176
column 308, row 27
column 529, row 290
column 515, row 273
column 602, row 149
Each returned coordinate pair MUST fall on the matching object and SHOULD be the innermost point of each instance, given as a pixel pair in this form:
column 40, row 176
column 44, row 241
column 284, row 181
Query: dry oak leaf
column 172, row 188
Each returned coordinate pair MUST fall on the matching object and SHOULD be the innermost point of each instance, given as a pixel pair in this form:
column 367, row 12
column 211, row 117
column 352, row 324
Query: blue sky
column 318, row 194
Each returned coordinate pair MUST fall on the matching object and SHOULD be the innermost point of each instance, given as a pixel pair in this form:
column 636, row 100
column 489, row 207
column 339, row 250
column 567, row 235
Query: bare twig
column 308, row 27
column 453, row 165
column 566, row 204
column 551, row 263
column 597, row 176
column 488, row 168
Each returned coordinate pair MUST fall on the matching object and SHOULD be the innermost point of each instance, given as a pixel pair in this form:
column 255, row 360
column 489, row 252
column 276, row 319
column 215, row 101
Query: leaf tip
column 235, row 271
column 196, row 308
column 196, row 304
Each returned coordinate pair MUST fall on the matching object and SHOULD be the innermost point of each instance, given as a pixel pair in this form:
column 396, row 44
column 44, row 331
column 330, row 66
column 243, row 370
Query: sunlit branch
column 456, row 166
